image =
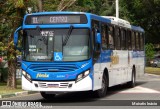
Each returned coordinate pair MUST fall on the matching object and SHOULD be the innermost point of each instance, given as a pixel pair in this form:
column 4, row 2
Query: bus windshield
column 43, row 44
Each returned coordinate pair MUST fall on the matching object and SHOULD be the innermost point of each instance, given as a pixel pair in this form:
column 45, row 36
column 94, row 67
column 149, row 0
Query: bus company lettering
column 59, row 19
column 115, row 59
column 40, row 75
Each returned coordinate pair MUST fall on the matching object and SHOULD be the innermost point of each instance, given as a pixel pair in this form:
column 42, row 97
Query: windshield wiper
column 68, row 35
column 44, row 40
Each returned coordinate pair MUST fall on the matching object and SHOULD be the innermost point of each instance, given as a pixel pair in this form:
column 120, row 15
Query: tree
column 104, row 7
column 14, row 16
column 54, row 5
column 100, row 7
column 40, row 5
column 144, row 13
column 82, row 6
column 149, row 52
column 11, row 17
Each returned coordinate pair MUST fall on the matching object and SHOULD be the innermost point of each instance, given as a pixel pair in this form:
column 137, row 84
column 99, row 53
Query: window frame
column 117, row 34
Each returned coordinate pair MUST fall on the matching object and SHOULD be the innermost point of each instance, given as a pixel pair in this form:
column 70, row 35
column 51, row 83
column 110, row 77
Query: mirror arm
column 16, row 36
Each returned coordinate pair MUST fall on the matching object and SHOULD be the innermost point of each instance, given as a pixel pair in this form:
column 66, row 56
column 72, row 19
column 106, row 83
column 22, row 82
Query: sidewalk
column 17, row 94
column 149, row 77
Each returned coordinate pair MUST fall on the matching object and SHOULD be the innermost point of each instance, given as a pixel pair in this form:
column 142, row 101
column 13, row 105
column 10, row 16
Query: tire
column 155, row 65
column 47, row 96
column 102, row 92
column 132, row 83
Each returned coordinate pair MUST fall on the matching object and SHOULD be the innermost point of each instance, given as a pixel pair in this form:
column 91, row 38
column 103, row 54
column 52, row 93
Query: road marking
column 19, row 97
column 140, row 89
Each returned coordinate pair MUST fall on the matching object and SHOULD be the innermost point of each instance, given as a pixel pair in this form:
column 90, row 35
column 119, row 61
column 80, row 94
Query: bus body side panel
column 97, row 76
column 138, row 61
column 117, row 64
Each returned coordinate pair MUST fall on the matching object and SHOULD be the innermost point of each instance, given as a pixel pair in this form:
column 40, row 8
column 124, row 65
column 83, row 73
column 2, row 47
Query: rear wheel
column 103, row 91
column 47, row 96
column 132, row 83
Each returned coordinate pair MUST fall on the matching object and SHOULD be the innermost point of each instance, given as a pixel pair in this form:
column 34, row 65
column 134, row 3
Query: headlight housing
column 27, row 76
column 82, row 75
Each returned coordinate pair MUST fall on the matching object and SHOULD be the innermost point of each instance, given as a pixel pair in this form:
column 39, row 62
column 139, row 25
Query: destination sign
column 55, row 19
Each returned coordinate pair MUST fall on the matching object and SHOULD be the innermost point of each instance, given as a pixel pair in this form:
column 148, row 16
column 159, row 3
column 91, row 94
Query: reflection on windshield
column 47, row 45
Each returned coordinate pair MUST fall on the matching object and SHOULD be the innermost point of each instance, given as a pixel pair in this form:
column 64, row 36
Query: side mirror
column 98, row 38
column 16, row 36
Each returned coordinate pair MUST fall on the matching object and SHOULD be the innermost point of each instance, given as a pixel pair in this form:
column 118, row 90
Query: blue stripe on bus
column 106, row 56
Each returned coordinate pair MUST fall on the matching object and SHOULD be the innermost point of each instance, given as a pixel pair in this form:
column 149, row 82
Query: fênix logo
column 42, row 75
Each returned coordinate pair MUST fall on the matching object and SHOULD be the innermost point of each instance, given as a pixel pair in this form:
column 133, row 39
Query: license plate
column 53, row 85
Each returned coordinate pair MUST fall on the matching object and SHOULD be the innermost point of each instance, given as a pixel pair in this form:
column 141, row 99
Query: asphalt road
column 118, row 97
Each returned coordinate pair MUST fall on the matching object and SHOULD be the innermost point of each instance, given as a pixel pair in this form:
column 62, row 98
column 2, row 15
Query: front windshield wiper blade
column 38, row 29
column 44, row 40
column 68, row 35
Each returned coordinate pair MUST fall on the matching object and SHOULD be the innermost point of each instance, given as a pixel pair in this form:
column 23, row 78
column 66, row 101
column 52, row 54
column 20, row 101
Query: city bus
column 77, row 51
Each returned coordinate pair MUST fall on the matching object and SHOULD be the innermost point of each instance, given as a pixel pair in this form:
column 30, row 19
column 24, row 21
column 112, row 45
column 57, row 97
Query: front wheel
column 47, row 96
column 103, row 91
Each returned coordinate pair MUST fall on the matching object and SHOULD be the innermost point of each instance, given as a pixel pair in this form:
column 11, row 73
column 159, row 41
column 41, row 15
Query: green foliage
column 82, row 6
column 149, row 51
column 100, row 7
column 19, row 4
column 144, row 13
column 50, row 5
column 104, row 7
column 11, row 17
column 4, row 73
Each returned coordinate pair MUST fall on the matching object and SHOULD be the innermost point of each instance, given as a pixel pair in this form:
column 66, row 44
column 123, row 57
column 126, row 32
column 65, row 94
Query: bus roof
column 123, row 23
column 57, row 12
column 108, row 19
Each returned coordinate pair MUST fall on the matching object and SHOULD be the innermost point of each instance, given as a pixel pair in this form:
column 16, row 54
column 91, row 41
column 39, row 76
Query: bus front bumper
column 69, row 86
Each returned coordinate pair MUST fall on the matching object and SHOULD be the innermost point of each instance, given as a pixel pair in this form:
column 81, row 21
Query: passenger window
column 111, row 37
column 104, row 36
column 128, row 40
column 133, row 41
column 118, row 43
column 141, row 41
column 137, row 41
column 95, row 29
column 123, row 39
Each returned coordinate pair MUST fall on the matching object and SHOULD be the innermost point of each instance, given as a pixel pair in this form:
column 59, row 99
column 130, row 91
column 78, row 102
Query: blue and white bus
column 76, row 51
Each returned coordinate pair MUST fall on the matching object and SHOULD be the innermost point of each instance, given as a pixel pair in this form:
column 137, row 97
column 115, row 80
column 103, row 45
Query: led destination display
column 55, row 19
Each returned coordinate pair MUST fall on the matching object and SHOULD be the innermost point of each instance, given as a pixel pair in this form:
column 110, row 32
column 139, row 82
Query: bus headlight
column 82, row 75
column 26, row 75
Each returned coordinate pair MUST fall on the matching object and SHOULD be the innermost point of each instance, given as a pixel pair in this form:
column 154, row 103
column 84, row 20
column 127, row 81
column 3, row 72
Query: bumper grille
column 53, row 85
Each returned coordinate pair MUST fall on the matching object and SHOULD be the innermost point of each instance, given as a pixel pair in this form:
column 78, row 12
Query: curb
column 17, row 94
column 152, row 75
